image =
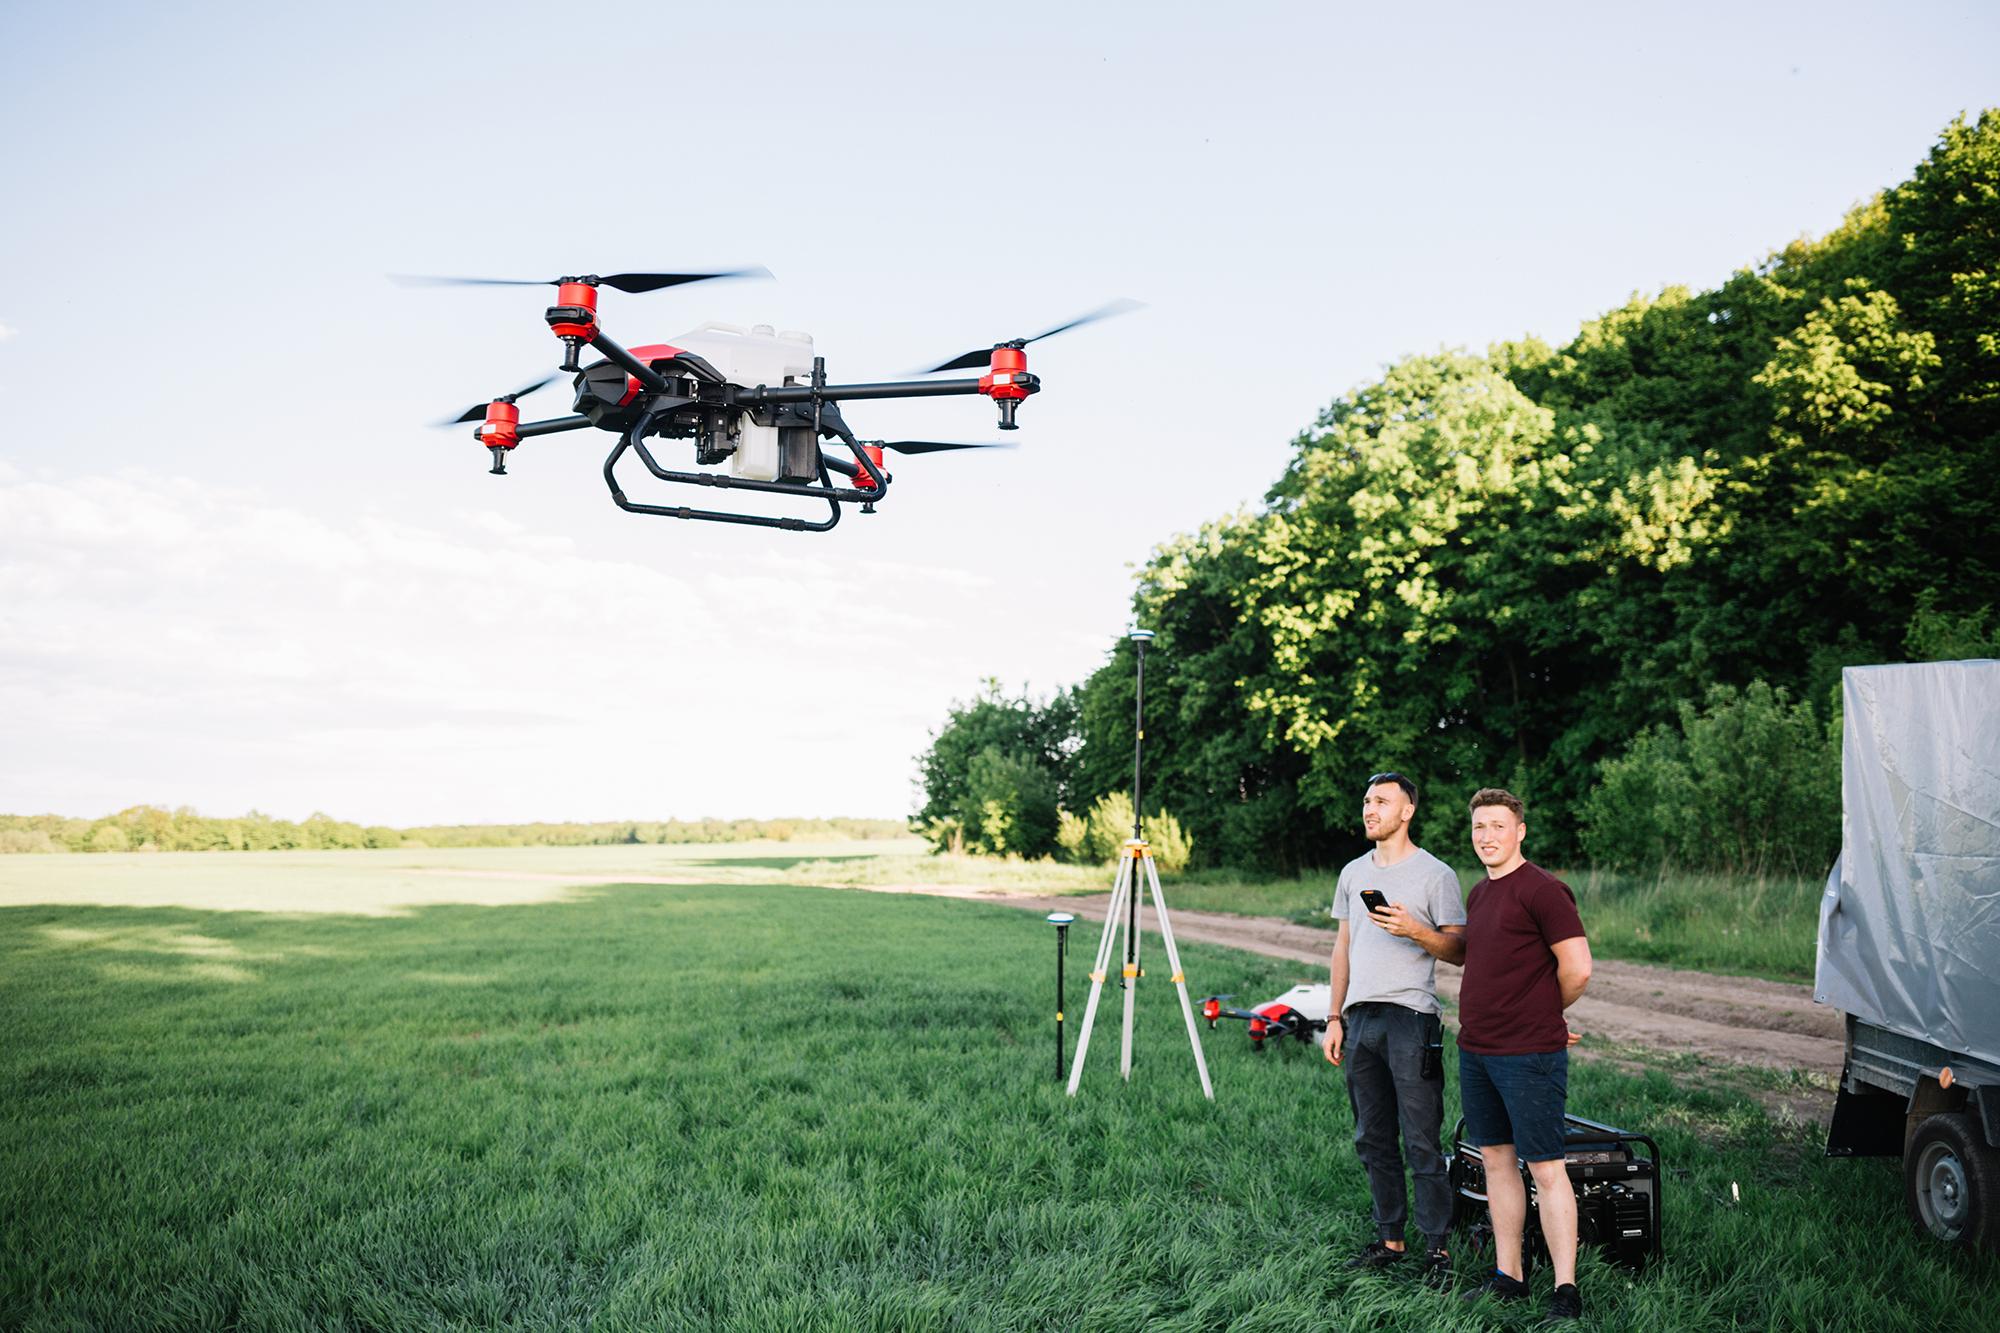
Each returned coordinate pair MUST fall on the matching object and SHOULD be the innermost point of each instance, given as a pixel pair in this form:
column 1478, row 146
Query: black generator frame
column 1468, row 1206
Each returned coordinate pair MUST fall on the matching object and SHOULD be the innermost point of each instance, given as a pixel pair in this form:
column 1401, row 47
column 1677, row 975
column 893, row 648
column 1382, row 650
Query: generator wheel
column 1951, row 1182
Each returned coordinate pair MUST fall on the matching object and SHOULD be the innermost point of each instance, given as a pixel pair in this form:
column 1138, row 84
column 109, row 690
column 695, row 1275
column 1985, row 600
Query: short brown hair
column 1502, row 797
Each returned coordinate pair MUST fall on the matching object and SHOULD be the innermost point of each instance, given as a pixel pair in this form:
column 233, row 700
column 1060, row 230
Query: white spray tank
column 750, row 357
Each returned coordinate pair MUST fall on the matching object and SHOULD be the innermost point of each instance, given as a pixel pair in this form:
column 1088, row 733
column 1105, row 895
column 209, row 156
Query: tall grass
column 1754, row 925
column 1751, row 925
column 746, row 1107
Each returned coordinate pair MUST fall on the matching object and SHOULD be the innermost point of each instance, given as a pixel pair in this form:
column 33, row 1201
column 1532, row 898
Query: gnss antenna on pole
column 1137, row 875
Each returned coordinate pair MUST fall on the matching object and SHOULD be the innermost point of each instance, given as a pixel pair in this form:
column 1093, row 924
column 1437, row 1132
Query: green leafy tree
column 1207, row 754
column 1939, row 636
column 1010, row 804
column 994, row 776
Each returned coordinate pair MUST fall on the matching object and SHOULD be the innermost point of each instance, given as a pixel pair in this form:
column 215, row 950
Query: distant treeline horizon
column 154, row 828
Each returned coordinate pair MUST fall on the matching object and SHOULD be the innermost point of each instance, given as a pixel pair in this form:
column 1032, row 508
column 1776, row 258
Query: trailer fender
column 1984, row 1103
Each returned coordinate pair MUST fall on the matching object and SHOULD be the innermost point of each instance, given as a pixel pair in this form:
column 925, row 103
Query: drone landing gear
column 1123, row 917
column 627, row 441
column 866, row 469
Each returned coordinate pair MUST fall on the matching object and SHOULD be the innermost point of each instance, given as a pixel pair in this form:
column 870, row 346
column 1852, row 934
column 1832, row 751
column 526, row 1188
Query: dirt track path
column 1736, row 1020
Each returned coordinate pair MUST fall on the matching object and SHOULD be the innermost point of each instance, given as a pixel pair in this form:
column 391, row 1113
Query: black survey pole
column 1060, row 920
column 1140, row 638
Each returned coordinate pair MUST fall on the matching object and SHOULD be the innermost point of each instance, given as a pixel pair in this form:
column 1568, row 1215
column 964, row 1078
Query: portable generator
column 1617, row 1192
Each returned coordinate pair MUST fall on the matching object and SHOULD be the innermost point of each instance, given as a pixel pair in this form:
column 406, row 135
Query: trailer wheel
column 1951, row 1182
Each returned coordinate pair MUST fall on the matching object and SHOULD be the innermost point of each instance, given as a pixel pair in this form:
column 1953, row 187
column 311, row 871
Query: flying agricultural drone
column 1300, row 1012
column 754, row 399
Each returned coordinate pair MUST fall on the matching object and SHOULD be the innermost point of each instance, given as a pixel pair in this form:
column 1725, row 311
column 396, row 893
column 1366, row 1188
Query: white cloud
column 169, row 641
column 7, row 331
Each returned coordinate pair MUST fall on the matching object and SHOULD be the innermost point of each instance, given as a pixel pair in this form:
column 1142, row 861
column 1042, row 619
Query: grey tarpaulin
column 1909, row 928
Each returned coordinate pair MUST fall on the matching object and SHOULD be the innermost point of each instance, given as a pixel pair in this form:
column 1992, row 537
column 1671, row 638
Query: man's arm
column 1572, row 967
column 1336, row 980
column 1446, row 945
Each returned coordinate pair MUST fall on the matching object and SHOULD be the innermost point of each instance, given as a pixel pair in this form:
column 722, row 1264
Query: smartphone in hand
column 1374, row 900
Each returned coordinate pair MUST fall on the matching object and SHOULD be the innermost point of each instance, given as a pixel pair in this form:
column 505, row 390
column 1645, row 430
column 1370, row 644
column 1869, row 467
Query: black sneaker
column 1567, row 1303
column 1500, row 1287
column 1377, row 1256
column 1436, row 1271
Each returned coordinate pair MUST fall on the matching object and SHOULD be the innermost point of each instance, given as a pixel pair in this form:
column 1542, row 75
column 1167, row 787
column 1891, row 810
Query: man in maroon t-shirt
column 1526, row 960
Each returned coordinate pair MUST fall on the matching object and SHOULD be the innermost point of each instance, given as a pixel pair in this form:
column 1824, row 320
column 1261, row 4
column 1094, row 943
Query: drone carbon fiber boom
column 754, row 399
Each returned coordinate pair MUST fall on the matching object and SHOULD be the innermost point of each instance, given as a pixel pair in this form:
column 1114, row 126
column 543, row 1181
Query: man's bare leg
column 1555, row 1200
column 1507, row 1205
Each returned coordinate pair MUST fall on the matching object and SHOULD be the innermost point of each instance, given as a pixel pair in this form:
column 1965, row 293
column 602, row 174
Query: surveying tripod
column 1124, row 916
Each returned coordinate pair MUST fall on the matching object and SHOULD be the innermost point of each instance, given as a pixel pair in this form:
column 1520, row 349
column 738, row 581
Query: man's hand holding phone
column 1392, row 917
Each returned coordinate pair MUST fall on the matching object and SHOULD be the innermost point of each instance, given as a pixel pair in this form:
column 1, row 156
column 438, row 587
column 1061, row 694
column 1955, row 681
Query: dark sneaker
column 1567, row 1303
column 1377, row 1256
column 1500, row 1287
column 1435, row 1272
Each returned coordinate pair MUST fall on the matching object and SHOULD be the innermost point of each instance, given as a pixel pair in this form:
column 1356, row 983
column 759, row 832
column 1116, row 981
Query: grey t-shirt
column 1384, row 967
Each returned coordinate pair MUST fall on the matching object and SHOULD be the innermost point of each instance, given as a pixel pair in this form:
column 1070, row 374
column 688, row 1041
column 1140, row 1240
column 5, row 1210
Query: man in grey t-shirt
column 1386, row 1025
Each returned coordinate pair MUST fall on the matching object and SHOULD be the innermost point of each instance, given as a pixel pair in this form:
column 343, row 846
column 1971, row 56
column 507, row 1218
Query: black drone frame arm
column 765, row 394
column 628, row 363
column 551, row 426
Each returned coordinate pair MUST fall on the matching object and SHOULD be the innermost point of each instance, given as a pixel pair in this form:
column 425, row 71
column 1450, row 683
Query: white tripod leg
column 1131, row 969
column 1120, row 887
column 1180, row 977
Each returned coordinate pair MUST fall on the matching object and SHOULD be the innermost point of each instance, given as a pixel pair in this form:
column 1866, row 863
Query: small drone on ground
column 753, row 398
column 1300, row 1012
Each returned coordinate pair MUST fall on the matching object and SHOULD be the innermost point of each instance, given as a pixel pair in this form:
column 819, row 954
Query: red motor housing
column 862, row 481
column 574, row 299
column 503, row 421
column 1008, row 375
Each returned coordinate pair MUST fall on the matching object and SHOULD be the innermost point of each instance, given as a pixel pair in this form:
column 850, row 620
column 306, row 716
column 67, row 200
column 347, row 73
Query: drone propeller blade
column 653, row 282
column 985, row 354
column 624, row 282
column 934, row 446
column 426, row 280
column 1118, row 307
column 966, row 362
column 477, row 412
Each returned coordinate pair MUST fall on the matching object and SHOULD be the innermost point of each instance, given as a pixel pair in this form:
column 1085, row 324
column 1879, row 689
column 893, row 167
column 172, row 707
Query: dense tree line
column 150, row 828
column 1528, row 566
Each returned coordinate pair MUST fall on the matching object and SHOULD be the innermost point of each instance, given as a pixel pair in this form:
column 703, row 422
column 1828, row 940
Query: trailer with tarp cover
column 1909, row 938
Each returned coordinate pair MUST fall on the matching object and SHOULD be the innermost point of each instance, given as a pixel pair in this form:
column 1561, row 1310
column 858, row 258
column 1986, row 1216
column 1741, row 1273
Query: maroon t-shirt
column 1509, row 1002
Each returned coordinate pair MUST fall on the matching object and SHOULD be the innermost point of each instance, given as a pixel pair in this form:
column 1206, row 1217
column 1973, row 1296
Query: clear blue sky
column 236, row 570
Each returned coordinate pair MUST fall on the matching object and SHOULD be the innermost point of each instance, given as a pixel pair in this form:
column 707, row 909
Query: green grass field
column 749, row 1106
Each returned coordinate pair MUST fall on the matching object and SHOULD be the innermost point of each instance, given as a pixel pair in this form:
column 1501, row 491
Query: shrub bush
column 1110, row 826
column 1172, row 847
column 1073, row 838
column 1749, row 783
column 1011, row 805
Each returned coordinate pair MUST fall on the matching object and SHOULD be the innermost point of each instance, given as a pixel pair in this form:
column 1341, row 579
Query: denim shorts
column 1515, row 1099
